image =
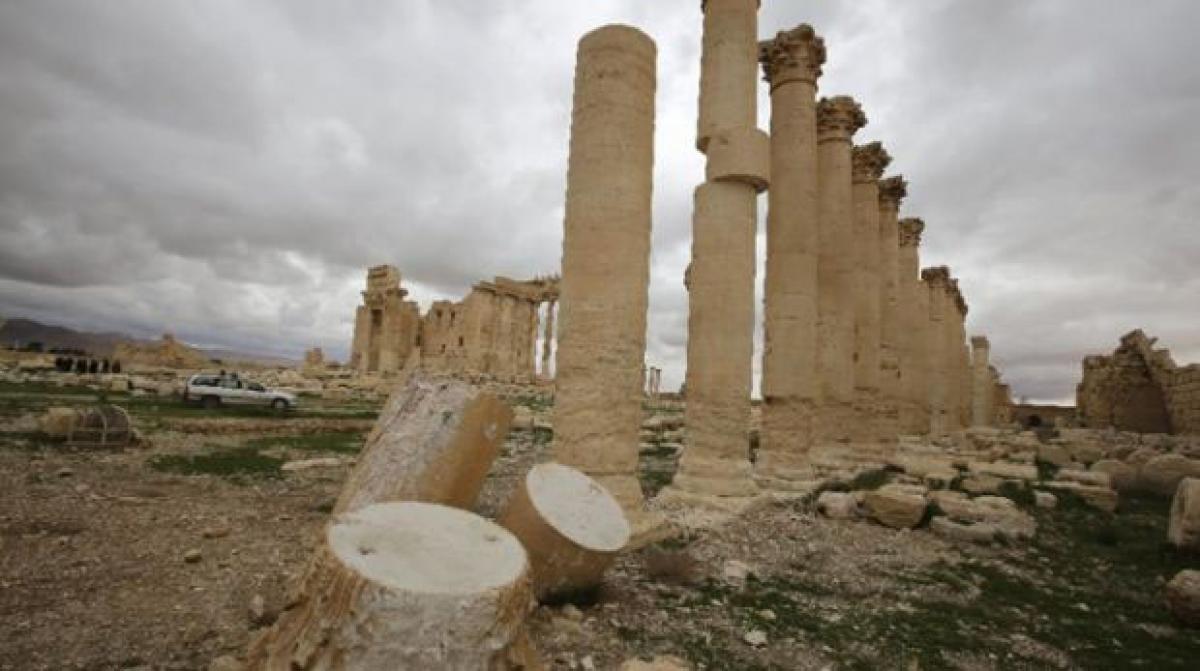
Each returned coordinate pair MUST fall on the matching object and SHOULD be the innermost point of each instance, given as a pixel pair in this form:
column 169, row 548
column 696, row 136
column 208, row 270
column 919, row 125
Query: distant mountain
column 21, row 332
column 24, row 331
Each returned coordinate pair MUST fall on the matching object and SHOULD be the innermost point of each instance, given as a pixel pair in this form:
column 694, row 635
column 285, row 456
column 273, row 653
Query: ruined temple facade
column 492, row 332
column 1139, row 388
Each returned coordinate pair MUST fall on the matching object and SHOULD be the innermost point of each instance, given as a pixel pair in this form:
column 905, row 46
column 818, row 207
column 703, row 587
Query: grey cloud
column 227, row 170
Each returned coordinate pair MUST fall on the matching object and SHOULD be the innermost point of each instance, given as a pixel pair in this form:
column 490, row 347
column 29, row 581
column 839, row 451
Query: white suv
column 213, row 390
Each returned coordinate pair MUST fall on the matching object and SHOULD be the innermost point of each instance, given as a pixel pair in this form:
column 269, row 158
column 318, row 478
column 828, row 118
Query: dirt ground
column 167, row 555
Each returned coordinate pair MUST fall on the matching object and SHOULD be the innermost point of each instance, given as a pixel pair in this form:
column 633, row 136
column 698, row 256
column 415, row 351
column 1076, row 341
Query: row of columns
column 860, row 344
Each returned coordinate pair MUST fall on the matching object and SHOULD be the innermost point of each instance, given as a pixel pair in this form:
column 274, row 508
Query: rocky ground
column 170, row 554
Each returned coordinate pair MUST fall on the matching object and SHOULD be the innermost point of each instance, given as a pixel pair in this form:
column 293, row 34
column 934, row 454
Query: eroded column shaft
column 792, row 63
column 721, row 275
column 982, row 411
column 891, row 191
column 606, row 260
column 913, row 335
column 868, row 164
column 837, row 120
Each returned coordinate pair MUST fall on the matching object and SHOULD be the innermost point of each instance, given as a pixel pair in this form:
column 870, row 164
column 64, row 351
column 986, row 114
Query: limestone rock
column 982, row 532
column 1045, row 500
column 982, row 484
column 1161, row 475
column 1183, row 530
column 1092, row 478
column 1053, row 454
column 1101, row 498
column 895, row 507
column 1183, row 597
column 1005, row 470
column 998, row 512
column 1122, row 476
column 837, row 505
column 662, row 663
column 57, row 422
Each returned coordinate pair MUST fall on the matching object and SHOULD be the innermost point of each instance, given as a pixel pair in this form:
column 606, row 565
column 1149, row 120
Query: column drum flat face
column 577, row 507
column 427, row 548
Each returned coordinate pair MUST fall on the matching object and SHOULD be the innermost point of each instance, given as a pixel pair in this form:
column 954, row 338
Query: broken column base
column 721, row 484
column 785, row 472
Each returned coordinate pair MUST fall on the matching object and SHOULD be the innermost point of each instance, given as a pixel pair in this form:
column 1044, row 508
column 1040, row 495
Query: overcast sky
column 228, row 169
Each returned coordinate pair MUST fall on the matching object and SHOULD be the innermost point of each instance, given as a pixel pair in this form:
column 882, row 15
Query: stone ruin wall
column 1139, row 388
column 492, row 332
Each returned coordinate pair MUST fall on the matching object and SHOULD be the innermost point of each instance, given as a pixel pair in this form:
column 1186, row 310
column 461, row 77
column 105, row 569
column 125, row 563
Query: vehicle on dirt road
column 212, row 391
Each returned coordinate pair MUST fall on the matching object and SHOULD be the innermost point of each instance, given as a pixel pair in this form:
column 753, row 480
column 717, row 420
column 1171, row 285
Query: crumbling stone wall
column 1139, row 388
column 492, row 332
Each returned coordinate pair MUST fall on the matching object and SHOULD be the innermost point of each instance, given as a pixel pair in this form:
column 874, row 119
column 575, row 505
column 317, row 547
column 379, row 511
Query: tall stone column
column 720, row 278
column 606, row 262
column 960, row 359
column 891, row 191
column 913, row 312
column 937, row 283
column 867, row 165
column 548, row 338
column 838, row 119
column 792, row 63
column 982, row 411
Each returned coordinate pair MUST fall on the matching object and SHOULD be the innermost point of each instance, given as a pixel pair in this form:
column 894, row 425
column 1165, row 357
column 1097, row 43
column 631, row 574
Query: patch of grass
column 1018, row 492
column 533, row 401
column 870, row 480
column 238, row 461
column 658, row 450
column 1046, row 470
column 653, row 481
column 339, row 442
column 542, row 435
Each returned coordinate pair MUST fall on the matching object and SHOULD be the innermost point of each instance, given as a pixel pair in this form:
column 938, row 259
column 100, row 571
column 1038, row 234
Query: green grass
column 237, row 462
column 339, row 442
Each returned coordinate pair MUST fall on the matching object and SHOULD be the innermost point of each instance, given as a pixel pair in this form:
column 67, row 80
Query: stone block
column 1183, row 529
column 896, row 507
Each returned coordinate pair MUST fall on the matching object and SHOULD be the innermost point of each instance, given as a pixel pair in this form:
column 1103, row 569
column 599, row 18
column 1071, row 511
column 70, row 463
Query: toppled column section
column 570, row 525
column 434, row 441
column 406, row 586
column 867, row 165
column 720, row 278
column 983, row 412
column 606, row 262
column 792, row 64
column 838, row 119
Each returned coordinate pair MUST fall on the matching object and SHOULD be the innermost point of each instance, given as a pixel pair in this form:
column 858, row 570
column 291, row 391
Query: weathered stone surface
column 660, row 663
column 1000, row 513
column 982, row 484
column 1101, row 498
column 1053, row 454
column 1183, row 529
column 1182, row 595
column 462, row 582
column 1005, row 470
column 895, row 506
column 1092, row 478
column 1161, row 475
column 981, row 532
column 1122, row 476
column 56, row 422
column 837, row 505
column 1045, row 500
column 571, row 527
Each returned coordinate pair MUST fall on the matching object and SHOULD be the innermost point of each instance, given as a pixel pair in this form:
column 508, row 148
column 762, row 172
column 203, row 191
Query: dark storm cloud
column 226, row 170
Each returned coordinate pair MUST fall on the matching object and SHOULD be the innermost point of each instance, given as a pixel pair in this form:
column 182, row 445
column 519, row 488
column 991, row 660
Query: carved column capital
column 891, row 191
column 839, row 117
column 937, row 277
column 793, row 55
column 910, row 234
column 869, row 161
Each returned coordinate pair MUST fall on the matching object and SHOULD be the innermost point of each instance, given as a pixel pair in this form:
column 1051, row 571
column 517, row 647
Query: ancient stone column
column 982, row 412
column 937, row 283
column 720, row 278
column 838, row 119
column 606, row 262
column 891, row 191
column 961, row 359
column 913, row 313
column 548, row 338
column 792, row 63
column 867, row 165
